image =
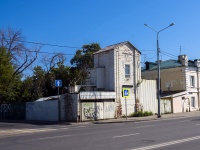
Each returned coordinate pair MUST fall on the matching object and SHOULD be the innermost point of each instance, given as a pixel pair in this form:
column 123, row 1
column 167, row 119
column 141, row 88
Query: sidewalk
column 118, row 120
column 154, row 117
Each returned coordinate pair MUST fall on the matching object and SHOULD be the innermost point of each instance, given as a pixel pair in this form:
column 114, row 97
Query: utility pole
column 158, row 65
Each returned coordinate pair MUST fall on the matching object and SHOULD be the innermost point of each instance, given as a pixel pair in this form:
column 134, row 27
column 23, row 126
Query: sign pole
column 58, row 83
column 58, row 105
column 125, row 94
column 126, row 108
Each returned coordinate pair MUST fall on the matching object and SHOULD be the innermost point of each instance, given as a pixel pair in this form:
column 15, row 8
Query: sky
column 73, row 23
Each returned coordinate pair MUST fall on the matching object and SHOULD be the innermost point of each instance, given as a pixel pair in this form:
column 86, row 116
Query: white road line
column 198, row 124
column 168, row 143
column 53, row 137
column 145, row 126
column 184, row 120
column 80, row 127
column 125, row 135
column 24, row 131
column 63, row 128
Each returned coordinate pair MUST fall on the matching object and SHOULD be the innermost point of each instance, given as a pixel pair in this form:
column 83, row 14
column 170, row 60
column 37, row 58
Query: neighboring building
column 117, row 67
column 179, row 82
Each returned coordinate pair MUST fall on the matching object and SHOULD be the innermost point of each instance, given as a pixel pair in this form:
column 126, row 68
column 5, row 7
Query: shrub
column 141, row 114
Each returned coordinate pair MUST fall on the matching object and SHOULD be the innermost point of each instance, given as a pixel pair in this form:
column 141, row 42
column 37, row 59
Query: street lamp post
column 158, row 65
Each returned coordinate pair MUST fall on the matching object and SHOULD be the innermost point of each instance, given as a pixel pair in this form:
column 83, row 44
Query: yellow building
column 179, row 82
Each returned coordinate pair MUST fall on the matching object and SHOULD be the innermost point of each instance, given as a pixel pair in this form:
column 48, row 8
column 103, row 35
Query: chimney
column 183, row 59
column 149, row 65
column 197, row 62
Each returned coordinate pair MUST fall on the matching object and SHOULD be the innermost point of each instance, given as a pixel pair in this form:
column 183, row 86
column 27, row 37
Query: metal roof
column 114, row 46
column 167, row 64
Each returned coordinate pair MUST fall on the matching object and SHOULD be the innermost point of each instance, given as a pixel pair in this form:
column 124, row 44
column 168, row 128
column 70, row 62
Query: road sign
column 58, row 83
column 125, row 92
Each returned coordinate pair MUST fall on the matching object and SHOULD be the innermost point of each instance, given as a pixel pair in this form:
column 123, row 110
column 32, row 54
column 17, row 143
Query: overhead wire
column 46, row 44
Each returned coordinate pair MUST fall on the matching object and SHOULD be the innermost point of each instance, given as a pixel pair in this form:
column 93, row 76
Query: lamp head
column 172, row 24
column 145, row 24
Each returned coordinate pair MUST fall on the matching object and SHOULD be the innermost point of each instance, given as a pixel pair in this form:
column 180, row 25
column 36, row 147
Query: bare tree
column 51, row 62
column 22, row 57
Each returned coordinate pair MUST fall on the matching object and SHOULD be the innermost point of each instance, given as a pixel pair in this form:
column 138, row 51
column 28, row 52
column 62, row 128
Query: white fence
column 147, row 95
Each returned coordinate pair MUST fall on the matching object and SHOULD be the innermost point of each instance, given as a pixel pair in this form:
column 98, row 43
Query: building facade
column 117, row 67
column 179, row 82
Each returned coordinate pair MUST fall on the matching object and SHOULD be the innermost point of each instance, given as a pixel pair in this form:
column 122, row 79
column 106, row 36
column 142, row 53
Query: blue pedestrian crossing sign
column 125, row 92
column 58, row 83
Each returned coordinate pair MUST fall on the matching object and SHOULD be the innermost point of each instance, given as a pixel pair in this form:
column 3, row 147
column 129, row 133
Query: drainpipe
column 134, row 79
column 198, row 87
column 117, row 75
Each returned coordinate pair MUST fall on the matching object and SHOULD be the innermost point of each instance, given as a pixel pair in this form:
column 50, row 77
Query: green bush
column 141, row 114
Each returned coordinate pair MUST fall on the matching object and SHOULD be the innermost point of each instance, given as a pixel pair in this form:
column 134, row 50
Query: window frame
column 192, row 81
column 127, row 71
column 193, row 102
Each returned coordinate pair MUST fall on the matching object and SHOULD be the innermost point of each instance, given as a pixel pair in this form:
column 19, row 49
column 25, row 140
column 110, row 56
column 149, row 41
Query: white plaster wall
column 130, row 106
column 43, row 111
column 106, row 59
column 165, row 106
column 97, row 110
column 92, row 110
column 177, row 105
column 108, row 110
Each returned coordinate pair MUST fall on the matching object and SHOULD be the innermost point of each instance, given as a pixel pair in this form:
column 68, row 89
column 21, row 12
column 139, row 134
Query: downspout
column 116, row 77
column 134, row 80
column 198, row 87
column 119, row 97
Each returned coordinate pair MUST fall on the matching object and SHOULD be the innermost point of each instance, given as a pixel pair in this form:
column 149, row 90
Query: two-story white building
column 117, row 67
column 180, row 82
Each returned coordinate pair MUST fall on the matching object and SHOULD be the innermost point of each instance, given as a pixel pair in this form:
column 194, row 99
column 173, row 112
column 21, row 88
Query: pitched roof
column 114, row 46
column 169, row 64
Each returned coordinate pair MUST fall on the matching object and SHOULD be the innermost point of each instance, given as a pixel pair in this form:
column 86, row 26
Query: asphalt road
column 178, row 133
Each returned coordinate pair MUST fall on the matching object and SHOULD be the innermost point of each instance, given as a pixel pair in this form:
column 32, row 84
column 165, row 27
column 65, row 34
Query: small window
column 192, row 81
column 193, row 102
column 127, row 71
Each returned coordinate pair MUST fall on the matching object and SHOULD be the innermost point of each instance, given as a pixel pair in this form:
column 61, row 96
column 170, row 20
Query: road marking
column 125, row 135
column 145, row 126
column 198, row 124
column 168, row 143
column 184, row 120
column 53, row 137
column 24, row 131
column 80, row 127
column 63, row 128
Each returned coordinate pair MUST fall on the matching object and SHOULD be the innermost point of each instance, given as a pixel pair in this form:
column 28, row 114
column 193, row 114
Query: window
column 127, row 71
column 193, row 102
column 191, row 81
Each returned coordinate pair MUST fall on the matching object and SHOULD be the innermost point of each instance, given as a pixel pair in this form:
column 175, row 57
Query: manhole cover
column 147, row 141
